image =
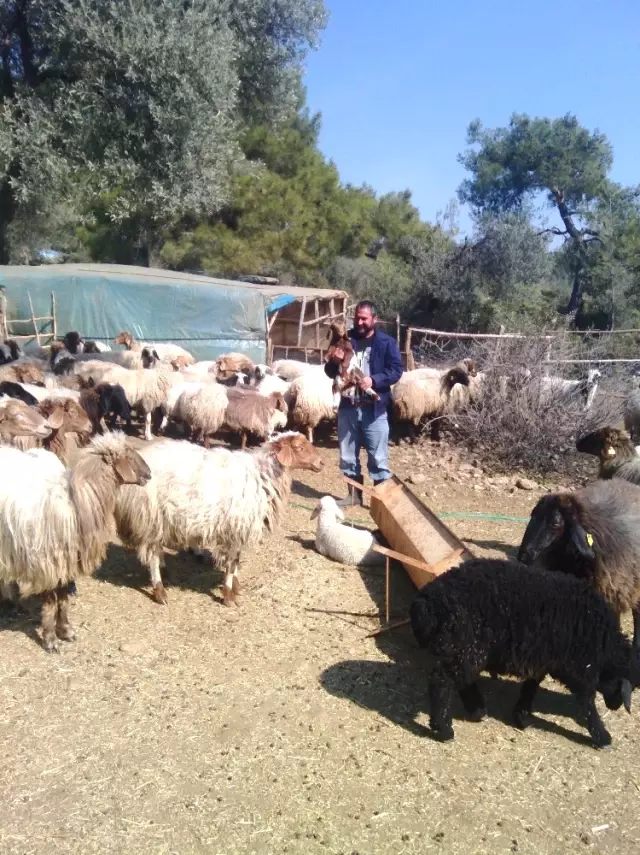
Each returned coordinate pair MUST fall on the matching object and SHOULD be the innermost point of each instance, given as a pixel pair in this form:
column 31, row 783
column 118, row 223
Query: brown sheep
column 72, row 431
column 348, row 375
column 617, row 454
column 19, row 420
column 250, row 413
column 23, row 372
column 232, row 363
column 593, row 533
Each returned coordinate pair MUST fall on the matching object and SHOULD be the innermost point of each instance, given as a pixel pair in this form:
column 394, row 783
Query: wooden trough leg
column 386, row 589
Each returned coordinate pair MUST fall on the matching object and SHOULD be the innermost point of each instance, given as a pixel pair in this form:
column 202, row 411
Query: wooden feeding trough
column 419, row 540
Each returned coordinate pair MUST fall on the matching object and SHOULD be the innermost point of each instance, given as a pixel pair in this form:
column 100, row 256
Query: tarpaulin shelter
column 207, row 316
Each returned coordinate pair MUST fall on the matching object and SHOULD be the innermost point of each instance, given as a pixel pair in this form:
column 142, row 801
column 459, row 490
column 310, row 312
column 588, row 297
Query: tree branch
column 554, row 231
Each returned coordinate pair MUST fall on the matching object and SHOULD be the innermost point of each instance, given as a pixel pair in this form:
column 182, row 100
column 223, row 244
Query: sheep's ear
column 125, row 470
column 316, row 512
column 284, row 454
column 55, row 419
column 626, row 690
column 582, row 541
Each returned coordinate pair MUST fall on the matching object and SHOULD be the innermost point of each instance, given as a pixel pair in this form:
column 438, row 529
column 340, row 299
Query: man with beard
column 362, row 420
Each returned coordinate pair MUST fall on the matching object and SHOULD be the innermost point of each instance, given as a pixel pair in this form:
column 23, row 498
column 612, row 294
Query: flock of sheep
column 71, row 479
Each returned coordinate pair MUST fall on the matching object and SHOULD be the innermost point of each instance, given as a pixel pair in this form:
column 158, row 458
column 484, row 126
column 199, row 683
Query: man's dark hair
column 367, row 304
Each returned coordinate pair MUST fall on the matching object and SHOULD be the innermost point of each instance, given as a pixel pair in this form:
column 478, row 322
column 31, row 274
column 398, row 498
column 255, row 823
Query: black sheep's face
column 615, row 692
column 555, row 526
column 611, row 691
column 545, row 529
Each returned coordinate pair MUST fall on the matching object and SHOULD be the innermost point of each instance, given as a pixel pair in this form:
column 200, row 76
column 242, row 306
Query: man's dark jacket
column 385, row 368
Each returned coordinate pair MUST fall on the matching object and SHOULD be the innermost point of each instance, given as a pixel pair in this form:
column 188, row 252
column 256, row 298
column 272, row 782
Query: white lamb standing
column 342, row 542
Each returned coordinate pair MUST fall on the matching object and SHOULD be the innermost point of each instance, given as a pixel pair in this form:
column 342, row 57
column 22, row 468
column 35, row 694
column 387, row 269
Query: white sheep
column 200, row 408
column 419, row 395
column 289, row 369
column 311, row 399
column 124, row 358
column 205, row 370
column 146, row 389
column 55, row 524
column 268, row 383
column 166, row 351
column 342, row 542
column 214, row 499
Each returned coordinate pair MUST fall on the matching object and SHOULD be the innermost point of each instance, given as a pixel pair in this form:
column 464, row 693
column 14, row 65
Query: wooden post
column 4, row 327
column 317, row 314
column 33, row 318
column 54, row 323
column 332, row 308
column 303, row 309
column 386, row 589
column 407, row 349
column 398, row 328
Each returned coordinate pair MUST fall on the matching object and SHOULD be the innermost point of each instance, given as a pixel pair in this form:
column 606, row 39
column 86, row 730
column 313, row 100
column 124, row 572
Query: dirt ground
column 279, row 727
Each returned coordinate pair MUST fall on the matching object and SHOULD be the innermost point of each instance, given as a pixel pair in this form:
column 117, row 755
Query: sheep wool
column 54, row 521
column 496, row 615
column 342, row 542
column 311, row 399
column 219, row 500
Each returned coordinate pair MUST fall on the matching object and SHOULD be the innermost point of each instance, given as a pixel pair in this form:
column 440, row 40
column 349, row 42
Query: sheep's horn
column 626, row 694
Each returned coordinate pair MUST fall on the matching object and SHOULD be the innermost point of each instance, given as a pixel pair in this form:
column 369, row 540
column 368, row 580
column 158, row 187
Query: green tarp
column 206, row 316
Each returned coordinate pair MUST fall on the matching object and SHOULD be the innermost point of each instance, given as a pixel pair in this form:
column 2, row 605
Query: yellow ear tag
column 590, row 539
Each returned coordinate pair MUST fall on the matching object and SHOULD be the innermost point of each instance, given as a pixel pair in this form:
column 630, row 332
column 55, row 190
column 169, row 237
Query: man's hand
column 366, row 383
column 338, row 355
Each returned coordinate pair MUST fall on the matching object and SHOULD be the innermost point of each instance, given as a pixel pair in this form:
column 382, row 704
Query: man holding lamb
column 362, row 417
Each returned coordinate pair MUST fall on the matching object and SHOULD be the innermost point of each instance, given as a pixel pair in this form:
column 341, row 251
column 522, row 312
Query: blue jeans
column 357, row 427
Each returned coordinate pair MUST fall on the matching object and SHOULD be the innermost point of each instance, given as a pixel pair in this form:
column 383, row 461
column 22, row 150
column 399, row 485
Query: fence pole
column 33, row 318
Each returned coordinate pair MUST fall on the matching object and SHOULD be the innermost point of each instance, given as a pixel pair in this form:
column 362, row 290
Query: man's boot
column 355, row 496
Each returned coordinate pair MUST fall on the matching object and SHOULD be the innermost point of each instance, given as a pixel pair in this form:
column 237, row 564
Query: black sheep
column 9, row 352
column 73, row 342
column 15, row 390
column 113, row 401
column 503, row 617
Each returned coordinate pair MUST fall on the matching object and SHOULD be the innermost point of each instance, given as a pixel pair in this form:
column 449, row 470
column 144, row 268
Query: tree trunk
column 581, row 253
column 7, row 210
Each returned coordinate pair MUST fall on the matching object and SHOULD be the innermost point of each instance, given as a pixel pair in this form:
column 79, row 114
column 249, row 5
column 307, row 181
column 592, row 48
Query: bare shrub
column 522, row 421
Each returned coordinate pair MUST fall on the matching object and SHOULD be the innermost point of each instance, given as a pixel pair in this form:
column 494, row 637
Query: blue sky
column 398, row 83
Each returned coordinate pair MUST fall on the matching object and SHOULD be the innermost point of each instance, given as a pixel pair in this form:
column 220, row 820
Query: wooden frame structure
column 420, row 541
column 6, row 325
column 299, row 327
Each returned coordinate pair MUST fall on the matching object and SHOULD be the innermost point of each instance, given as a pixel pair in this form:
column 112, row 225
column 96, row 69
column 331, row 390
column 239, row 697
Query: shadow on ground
column 508, row 549
column 183, row 570
column 398, row 692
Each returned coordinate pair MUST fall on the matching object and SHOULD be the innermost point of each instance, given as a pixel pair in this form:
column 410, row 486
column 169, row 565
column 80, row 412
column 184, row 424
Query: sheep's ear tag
column 589, row 539
column 611, row 452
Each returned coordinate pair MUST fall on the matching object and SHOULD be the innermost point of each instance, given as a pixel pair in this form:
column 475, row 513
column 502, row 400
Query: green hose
column 499, row 517
column 454, row 514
